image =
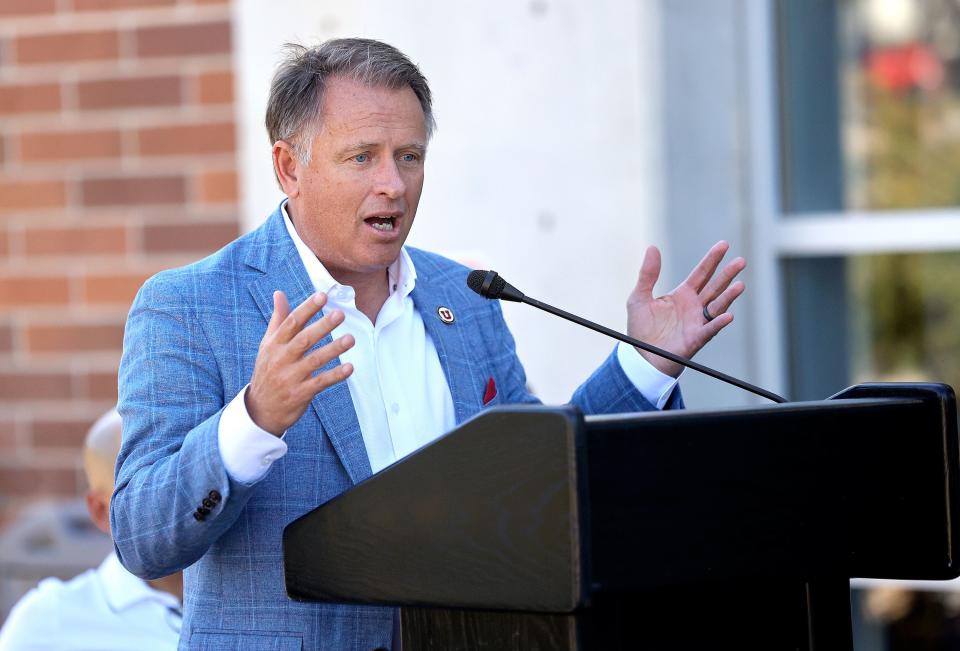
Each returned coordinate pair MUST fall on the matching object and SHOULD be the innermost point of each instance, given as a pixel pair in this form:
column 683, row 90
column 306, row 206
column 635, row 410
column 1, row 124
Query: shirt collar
column 122, row 589
column 401, row 274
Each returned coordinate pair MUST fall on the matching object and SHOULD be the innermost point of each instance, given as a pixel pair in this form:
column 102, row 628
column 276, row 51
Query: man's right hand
column 283, row 383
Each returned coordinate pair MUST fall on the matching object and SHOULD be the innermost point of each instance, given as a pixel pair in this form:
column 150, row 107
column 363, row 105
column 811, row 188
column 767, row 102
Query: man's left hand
column 676, row 321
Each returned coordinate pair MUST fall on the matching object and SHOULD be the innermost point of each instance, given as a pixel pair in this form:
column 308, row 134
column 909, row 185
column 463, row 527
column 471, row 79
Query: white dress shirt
column 398, row 387
column 105, row 609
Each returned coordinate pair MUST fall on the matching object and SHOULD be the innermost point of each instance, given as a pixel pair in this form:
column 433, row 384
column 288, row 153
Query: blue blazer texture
column 191, row 340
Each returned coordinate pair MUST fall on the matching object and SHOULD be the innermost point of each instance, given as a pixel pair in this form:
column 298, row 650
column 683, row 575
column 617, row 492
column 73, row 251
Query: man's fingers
column 299, row 317
column 649, row 274
column 307, row 337
column 323, row 355
column 721, row 281
column 338, row 373
column 712, row 328
column 280, row 311
column 704, row 270
column 722, row 303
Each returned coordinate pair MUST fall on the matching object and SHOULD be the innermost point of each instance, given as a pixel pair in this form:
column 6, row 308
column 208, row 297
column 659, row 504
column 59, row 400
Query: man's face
column 355, row 201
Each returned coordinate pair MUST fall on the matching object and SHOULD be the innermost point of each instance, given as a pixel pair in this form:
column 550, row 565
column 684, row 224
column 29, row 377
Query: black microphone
column 490, row 285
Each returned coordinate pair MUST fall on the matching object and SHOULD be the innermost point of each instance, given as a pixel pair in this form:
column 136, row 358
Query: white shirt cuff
column 653, row 385
column 247, row 451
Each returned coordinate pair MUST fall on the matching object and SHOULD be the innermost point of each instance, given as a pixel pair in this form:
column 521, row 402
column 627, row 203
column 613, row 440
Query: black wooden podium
column 536, row 528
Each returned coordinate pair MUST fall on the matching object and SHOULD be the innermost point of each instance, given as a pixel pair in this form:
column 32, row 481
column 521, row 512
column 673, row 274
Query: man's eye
column 409, row 158
column 361, row 158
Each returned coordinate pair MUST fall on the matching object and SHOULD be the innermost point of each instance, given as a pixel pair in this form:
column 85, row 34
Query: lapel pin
column 445, row 314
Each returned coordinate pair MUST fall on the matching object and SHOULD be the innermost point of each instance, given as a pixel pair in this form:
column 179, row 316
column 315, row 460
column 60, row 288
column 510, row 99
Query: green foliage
column 912, row 157
column 907, row 306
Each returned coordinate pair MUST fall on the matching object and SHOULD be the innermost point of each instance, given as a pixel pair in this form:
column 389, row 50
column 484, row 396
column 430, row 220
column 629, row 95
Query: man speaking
column 272, row 376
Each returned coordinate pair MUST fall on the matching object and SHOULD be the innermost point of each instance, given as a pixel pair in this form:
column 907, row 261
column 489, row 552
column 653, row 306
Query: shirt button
column 395, row 407
column 267, row 460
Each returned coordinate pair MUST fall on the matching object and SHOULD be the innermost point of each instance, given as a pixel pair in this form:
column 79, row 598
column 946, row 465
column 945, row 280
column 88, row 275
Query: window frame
column 777, row 235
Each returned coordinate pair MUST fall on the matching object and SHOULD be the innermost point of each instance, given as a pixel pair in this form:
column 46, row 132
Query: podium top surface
column 539, row 509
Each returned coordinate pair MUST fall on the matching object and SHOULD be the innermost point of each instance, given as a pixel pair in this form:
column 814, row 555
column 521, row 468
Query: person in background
column 104, row 608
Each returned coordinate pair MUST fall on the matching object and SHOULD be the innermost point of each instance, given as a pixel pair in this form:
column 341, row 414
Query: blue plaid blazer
column 190, row 343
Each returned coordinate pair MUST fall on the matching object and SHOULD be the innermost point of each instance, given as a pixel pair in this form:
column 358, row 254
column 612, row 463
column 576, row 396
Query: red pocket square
column 491, row 392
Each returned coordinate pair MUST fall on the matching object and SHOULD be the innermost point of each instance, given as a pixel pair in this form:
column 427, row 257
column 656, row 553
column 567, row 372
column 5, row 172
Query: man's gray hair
column 296, row 94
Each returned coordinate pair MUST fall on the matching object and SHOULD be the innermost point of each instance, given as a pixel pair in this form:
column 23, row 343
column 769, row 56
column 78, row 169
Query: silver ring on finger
column 706, row 314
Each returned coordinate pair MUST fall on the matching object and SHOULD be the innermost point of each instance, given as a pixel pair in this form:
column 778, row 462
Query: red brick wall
column 117, row 159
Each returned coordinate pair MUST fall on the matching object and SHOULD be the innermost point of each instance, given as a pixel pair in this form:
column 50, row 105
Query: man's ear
column 287, row 168
column 98, row 505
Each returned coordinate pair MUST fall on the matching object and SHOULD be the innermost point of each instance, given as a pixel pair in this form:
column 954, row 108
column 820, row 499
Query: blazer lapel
column 449, row 339
column 333, row 406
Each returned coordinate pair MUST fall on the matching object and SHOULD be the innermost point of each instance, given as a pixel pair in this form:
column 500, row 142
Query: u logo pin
column 445, row 314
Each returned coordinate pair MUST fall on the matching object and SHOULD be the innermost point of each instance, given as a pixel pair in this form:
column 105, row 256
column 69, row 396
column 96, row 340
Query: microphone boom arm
column 706, row 370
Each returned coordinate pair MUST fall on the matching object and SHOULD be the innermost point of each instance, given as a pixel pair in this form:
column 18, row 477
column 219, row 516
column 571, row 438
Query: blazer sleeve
column 608, row 390
column 173, row 497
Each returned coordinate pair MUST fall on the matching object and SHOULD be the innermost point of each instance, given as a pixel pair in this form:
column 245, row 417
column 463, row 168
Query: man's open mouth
column 381, row 223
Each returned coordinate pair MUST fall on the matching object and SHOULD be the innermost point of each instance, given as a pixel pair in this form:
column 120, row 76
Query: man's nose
column 389, row 181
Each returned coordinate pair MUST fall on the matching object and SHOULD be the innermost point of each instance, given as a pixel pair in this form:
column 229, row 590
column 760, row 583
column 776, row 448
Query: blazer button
column 208, row 503
column 202, row 511
column 215, row 496
column 198, row 516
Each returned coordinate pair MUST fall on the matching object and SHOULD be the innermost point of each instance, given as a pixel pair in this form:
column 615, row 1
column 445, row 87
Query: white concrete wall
column 547, row 162
column 709, row 134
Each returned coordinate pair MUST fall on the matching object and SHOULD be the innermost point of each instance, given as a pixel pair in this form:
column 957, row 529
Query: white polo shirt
column 106, row 609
